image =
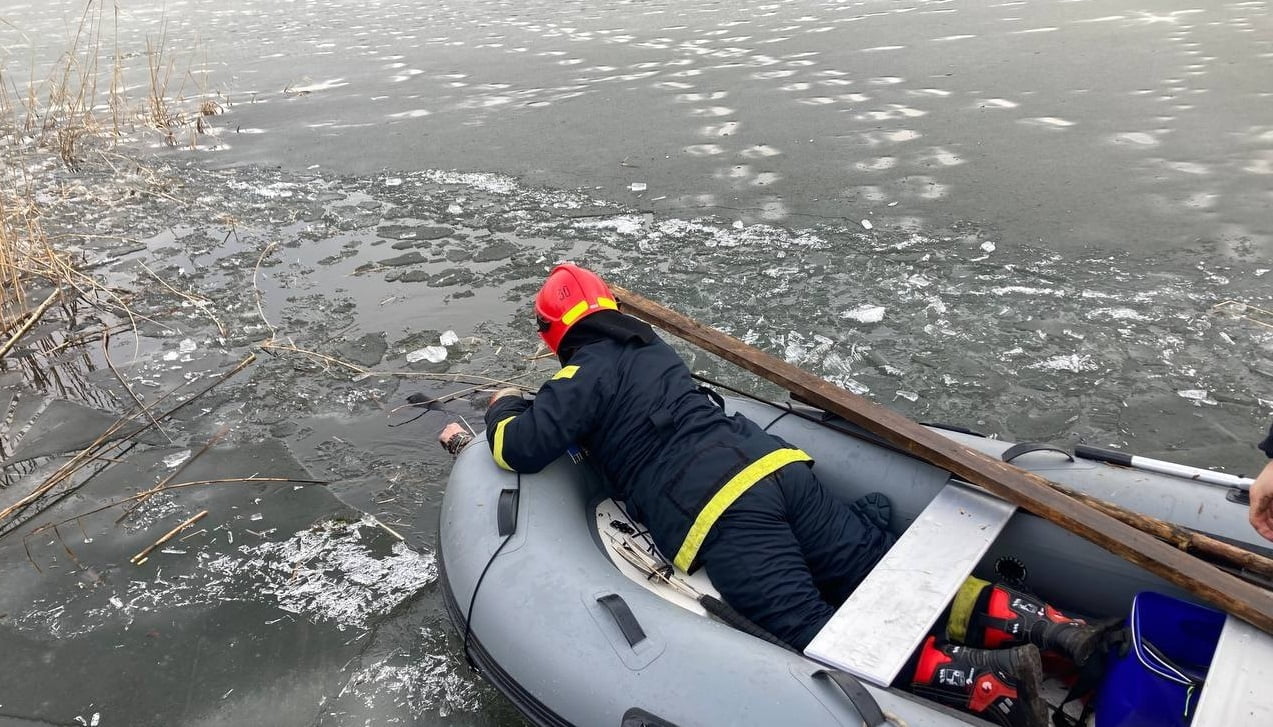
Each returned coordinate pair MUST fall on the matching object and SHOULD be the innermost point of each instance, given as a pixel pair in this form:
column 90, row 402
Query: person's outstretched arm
column 525, row 436
column 1261, row 513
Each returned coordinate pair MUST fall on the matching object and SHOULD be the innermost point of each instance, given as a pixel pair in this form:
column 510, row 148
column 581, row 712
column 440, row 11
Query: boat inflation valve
column 1011, row 571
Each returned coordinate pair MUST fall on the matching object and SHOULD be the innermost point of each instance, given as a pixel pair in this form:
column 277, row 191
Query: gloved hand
column 510, row 391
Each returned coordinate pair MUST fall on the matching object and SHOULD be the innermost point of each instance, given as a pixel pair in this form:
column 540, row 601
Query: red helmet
column 569, row 295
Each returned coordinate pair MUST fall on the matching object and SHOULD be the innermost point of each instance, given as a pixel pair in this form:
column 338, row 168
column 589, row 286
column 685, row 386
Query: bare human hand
column 1261, row 513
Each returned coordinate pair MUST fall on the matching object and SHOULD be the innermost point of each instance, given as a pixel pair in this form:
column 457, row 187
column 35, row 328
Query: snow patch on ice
column 1025, row 290
column 1197, row 396
column 176, row 458
column 423, row 681
column 1074, row 362
column 1120, row 314
column 622, row 224
column 865, row 313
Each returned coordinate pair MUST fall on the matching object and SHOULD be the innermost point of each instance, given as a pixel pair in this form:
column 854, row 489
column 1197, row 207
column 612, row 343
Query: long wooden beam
column 1025, row 489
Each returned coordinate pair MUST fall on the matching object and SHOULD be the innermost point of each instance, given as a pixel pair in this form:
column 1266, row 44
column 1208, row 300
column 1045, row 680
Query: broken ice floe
column 1119, row 314
column 333, row 572
column 449, row 338
column 1197, row 396
column 622, row 224
column 865, row 314
column 1073, row 362
column 176, row 458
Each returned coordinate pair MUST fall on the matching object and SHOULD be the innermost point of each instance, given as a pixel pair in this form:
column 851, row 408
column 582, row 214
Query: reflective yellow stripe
column 566, row 372
column 498, row 449
column 962, row 607
column 573, row 314
column 737, row 485
column 582, row 307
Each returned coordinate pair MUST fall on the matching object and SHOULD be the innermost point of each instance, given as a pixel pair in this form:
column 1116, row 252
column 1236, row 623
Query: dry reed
column 57, row 117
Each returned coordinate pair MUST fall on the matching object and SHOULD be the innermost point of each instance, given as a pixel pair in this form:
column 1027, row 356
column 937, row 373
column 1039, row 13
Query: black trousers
column 787, row 553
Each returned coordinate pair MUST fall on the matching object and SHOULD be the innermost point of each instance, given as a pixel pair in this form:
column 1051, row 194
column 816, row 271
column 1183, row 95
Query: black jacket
column 663, row 445
column 1267, row 444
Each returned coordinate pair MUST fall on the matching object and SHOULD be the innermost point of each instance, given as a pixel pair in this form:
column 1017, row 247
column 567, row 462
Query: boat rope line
column 468, row 616
column 776, row 420
column 829, row 423
column 638, row 530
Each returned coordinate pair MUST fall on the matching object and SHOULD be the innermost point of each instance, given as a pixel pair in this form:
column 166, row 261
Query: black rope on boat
column 468, row 617
column 826, row 420
column 776, row 419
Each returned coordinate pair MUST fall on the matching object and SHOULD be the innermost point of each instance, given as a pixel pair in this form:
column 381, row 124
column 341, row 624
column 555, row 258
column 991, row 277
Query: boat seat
column 882, row 623
column 1237, row 688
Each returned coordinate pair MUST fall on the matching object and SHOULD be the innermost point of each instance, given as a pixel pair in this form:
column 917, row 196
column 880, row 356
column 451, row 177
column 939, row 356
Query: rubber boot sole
column 1028, row 666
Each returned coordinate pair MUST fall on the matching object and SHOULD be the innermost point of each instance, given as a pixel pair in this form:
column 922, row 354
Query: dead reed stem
column 179, row 486
column 105, row 441
column 144, row 555
column 106, row 354
column 32, row 319
column 149, row 493
column 1244, row 311
column 271, row 346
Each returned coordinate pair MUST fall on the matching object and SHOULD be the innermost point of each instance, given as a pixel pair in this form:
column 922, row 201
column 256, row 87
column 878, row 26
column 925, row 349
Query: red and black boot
column 1002, row 616
column 999, row 686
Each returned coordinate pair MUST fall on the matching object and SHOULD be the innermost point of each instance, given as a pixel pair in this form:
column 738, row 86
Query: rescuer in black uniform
column 781, row 553
column 718, row 492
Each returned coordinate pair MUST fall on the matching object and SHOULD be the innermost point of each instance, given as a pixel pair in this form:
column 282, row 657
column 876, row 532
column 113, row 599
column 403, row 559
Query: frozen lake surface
column 1017, row 217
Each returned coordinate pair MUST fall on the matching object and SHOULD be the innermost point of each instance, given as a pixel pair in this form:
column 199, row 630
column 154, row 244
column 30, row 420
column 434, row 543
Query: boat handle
column 867, row 708
column 628, row 623
column 506, row 512
column 1017, row 450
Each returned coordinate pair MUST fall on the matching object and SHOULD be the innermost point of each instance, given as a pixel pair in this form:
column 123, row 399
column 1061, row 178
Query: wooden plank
column 1025, row 489
column 911, row 585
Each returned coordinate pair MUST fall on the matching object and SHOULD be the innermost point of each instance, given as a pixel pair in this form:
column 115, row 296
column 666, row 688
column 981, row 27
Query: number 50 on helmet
column 569, row 295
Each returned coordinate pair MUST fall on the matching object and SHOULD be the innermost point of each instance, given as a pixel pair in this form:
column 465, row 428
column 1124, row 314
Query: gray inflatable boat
column 576, row 631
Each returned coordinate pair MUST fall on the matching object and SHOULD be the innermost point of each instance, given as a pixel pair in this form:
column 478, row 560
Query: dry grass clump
column 26, row 255
column 74, row 115
column 80, row 103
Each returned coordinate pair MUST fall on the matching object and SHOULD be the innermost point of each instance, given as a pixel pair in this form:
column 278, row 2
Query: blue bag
column 1158, row 682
